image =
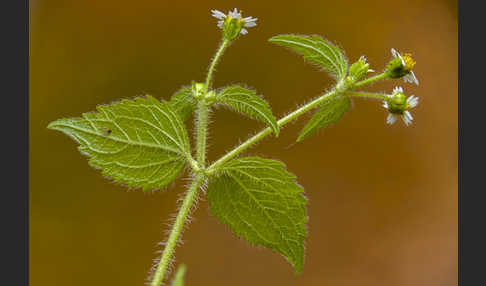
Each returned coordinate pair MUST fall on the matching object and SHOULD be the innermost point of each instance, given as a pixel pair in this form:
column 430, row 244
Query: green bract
column 261, row 202
column 317, row 50
column 141, row 143
column 359, row 69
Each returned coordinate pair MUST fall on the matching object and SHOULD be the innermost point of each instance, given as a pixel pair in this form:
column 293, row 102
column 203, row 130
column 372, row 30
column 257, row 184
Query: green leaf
column 261, row 202
column 331, row 111
column 317, row 50
column 141, row 143
column 179, row 276
column 247, row 102
column 184, row 102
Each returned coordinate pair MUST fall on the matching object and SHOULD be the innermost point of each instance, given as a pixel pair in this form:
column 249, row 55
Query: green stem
column 290, row 117
column 202, row 127
column 191, row 195
column 177, row 229
column 371, row 79
column 220, row 51
column 380, row 96
column 262, row 134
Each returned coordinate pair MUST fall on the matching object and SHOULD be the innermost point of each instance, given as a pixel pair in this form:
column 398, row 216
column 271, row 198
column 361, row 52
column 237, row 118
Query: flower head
column 401, row 66
column 233, row 24
column 398, row 105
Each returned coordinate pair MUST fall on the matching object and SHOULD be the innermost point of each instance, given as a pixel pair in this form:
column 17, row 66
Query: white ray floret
column 412, row 101
column 411, row 78
column 397, row 55
column 407, row 117
column 392, row 118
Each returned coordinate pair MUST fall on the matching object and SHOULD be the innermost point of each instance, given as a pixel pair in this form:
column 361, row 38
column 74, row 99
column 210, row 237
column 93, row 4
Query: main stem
column 177, row 229
column 202, row 126
column 198, row 180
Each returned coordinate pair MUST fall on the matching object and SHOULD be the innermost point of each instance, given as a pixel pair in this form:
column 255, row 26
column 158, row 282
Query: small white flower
column 398, row 106
column 408, row 64
column 245, row 22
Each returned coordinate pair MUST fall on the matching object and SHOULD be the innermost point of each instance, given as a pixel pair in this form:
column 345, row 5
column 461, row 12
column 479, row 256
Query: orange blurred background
column 383, row 199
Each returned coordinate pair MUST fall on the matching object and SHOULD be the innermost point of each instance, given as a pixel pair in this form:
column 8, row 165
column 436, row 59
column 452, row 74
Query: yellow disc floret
column 409, row 62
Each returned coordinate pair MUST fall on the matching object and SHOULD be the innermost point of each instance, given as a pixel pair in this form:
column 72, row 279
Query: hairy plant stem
column 340, row 89
column 220, row 51
column 202, row 126
column 262, row 134
column 198, row 167
column 371, row 79
column 380, row 96
column 177, row 229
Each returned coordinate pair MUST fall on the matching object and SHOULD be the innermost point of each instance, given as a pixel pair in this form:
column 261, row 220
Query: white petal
column 250, row 24
column 218, row 14
column 411, row 78
column 235, row 14
column 391, row 119
column 250, row 19
column 407, row 118
column 408, row 115
column 398, row 89
column 395, row 53
column 220, row 24
column 370, row 70
column 412, row 101
column 385, row 104
column 403, row 62
column 244, row 31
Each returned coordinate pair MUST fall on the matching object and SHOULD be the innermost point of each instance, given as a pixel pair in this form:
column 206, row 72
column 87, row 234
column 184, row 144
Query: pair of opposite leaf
column 234, row 97
column 143, row 143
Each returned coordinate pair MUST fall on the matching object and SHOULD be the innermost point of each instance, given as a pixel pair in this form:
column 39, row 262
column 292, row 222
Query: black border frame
column 14, row 208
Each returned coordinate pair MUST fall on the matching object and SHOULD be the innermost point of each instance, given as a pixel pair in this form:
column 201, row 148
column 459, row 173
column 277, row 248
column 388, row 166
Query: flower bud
column 359, row 69
column 198, row 89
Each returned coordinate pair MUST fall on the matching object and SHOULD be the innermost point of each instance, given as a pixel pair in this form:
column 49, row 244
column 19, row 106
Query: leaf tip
column 54, row 125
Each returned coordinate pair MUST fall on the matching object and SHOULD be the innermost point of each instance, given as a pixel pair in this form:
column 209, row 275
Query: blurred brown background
column 383, row 199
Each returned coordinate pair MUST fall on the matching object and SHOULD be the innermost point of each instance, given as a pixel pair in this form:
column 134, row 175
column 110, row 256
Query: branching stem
column 198, row 167
column 371, row 79
column 380, row 96
column 202, row 172
column 286, row 119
